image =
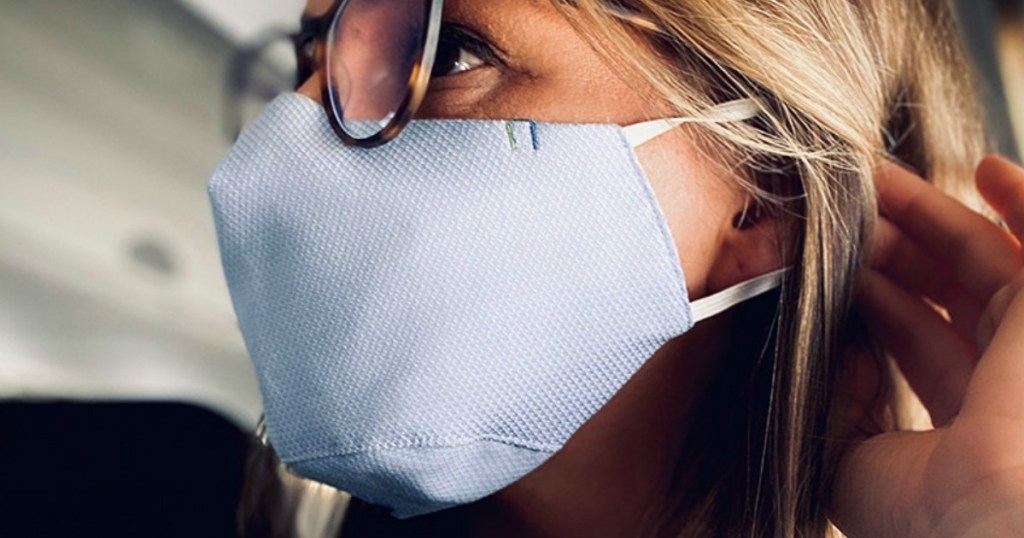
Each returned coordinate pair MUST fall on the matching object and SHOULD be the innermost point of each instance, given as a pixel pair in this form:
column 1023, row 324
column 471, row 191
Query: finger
column 920, row 273
column 935, row 361
column 995, row 312
column 997, row 390
column 1001, row 183
column 982, row 255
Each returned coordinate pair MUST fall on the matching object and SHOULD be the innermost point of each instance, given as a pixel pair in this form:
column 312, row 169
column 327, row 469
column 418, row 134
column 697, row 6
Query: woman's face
column 526, row 61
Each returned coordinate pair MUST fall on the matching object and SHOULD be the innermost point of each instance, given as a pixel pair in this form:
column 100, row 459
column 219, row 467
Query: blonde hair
column 844, row 86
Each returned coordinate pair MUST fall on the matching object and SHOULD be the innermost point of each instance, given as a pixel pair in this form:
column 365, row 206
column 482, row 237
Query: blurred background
column 121, row 367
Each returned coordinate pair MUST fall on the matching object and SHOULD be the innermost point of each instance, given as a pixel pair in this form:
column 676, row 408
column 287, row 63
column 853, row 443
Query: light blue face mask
column 432, row 319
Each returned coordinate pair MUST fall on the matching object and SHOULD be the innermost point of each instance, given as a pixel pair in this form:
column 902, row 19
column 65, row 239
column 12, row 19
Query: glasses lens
column 373, row 50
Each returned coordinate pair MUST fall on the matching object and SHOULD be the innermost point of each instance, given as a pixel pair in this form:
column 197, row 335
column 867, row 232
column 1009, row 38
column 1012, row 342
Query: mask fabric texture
column 431, row 319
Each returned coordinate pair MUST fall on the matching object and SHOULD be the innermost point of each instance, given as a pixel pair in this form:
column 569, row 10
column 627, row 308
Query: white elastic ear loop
column 715, row 304
column 738, row 110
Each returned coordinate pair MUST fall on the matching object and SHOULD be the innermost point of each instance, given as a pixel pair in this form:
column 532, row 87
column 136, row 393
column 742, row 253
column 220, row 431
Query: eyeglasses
column 377, row 58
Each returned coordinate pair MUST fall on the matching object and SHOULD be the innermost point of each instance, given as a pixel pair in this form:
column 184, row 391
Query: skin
column 966, row 476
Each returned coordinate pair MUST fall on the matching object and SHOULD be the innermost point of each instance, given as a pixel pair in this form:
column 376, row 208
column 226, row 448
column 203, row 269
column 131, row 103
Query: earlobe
column 749, row 248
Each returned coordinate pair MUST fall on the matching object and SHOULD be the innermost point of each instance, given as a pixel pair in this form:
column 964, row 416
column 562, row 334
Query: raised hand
column 944, row 296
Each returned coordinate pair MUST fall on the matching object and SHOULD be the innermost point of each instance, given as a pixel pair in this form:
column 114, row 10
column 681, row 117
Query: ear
column 749, row 248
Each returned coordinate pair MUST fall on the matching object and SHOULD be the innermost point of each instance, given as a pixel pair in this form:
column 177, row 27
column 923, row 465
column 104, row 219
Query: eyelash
column 463, row 40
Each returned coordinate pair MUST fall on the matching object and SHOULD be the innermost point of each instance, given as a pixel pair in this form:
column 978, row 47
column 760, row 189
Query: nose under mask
column 432, row 319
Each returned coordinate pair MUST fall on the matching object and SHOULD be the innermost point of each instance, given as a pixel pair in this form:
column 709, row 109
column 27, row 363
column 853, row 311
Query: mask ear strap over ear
column 716, row 303
column 730, row 111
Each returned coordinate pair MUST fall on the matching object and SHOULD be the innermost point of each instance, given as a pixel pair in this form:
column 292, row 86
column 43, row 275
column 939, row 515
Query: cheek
column 697, row 205
column 312, row 88
column 567, row 96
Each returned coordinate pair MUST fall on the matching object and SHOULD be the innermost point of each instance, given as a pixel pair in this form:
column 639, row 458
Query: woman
column 407, row 303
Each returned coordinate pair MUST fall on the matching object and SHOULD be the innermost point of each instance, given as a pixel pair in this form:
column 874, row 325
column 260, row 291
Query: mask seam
column 426, row 443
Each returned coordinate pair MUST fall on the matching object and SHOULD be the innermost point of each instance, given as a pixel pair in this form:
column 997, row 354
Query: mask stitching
column 510, row 131
column 428, row 442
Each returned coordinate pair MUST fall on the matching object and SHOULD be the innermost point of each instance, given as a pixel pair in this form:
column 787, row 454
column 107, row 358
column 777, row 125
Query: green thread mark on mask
column 511, row 135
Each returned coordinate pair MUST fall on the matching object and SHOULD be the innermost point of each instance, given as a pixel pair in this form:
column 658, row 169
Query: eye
column 452, row 60
column 459, row 51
